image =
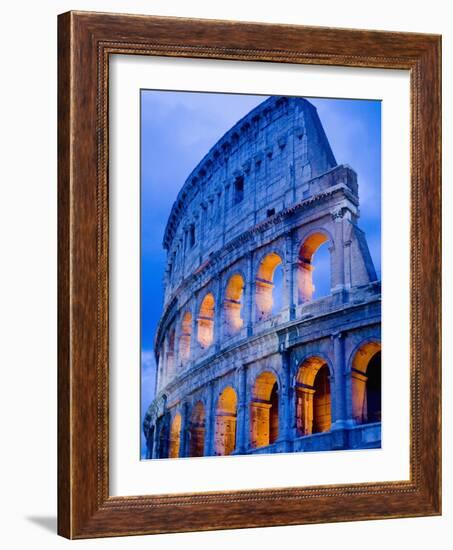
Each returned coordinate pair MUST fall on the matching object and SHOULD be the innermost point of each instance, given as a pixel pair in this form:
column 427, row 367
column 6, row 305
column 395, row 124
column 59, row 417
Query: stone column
column 242, row 432
column 184, row 435
column 295, row 265
column 177, row 356
column 286, row 416
column 347, row 264
column 163, row 373
column 288, row 298
column 218, row 314
column 337, row 252
column 250, row 285
column 155, row 442
column 339, row 410
column 209, row 433
column 224, row 209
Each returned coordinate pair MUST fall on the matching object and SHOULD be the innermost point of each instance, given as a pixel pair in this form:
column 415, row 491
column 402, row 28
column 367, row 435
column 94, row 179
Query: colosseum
column 246, row 365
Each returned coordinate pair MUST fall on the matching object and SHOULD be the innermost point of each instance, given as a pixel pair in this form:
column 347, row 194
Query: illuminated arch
column 264, row 410
column 225, row 426
column 265, row 287
column 306, row 265
column 233, row 304
column 313, row 397
column 366, row 383
column 206, row 321
column 175, row 437
column 197, row 430
column 186, row 335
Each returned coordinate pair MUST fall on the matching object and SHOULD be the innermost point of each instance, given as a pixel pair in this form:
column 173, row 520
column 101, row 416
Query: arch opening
column 206, row 321
column 264, row 410
column 175, row 437
column 233, row 305
column 225, row 422
column 186, row 335
column 197, row 430
column 269, row 287
column 366, row 383
column 314, row 267
column 313, row 397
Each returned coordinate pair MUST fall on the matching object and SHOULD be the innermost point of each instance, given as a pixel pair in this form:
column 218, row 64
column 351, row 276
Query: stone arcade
column 245, row 365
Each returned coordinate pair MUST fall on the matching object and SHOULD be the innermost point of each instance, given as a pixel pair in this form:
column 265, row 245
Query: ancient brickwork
column 245, row 365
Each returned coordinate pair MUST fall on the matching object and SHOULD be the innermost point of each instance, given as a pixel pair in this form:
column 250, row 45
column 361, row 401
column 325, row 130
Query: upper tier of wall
column 266, row 162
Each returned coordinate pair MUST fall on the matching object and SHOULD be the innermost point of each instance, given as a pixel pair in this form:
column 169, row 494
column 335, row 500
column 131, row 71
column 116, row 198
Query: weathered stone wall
column 266, row 196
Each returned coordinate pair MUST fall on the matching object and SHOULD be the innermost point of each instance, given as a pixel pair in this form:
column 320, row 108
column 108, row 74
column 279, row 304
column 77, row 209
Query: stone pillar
column 218, row 314
column 286, row 416
column 347, row 264
column 177, row 356
column 337, row 252
column 339, row 410
column 185, row 427
column 288, row 298
column 295, row 263
column 250, row 286
column 242, row 431
column 163, row 373
column 224, row 209
column 209, row 433
column 155, row 441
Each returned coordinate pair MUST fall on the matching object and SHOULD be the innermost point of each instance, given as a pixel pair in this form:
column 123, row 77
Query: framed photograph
column 249, row 275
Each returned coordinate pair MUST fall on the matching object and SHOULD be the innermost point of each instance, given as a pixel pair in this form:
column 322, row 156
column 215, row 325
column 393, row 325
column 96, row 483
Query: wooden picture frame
column 85, row 42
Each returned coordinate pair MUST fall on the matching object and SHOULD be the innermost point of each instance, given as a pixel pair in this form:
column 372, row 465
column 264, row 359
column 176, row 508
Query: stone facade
column 236, row 374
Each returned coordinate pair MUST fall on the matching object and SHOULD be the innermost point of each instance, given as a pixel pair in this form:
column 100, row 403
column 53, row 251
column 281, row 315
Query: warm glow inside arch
column 225, row 426
column 264, row 410
column 306, row 265
column 175, row 437
column 313, row 397
column 233, row 304
column 265, row 286
column 206, row 321
column 366, row 383
column 186, row 334
column 197, row 430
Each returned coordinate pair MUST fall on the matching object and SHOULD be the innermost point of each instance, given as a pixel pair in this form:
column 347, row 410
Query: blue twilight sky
column 179, row 128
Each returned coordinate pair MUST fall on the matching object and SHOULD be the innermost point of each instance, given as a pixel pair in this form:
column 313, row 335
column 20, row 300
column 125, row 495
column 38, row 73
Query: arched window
column 264, row 410
column 268, row 294
column 233, row 304
column 175, row 437
column 314, row 267
column 313, row 405
column 206, row 321
column 366, row 383
column 186, row 335
column 197, row 430
column 225, row 424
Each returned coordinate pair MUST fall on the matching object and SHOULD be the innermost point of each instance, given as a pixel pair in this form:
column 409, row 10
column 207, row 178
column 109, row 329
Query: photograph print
column 260, row 274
